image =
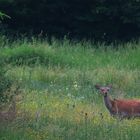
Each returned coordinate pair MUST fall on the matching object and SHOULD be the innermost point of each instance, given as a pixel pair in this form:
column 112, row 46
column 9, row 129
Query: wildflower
column 69, row 95
column 75, row 85
column 66, row 88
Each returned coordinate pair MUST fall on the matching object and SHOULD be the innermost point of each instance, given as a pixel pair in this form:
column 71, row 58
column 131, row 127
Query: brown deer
column 124, row 108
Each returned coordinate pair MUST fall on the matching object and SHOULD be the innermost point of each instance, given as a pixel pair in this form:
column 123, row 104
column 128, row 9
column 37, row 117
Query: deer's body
column 125, row 108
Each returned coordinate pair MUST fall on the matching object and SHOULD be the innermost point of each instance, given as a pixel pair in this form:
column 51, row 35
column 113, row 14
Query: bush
column 5, row 84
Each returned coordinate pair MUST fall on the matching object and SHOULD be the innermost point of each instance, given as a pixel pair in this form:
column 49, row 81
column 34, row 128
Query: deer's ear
column 97, row 86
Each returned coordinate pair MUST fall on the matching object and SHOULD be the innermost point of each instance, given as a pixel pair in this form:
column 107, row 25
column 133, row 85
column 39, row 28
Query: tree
column 98, row 19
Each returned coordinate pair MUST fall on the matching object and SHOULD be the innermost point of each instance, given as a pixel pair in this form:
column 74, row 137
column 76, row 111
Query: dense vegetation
column 47, row 84
column 57, row 99
column 98, row 19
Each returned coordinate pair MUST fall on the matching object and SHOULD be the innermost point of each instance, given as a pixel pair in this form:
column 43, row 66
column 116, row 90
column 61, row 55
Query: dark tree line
column 98, row 19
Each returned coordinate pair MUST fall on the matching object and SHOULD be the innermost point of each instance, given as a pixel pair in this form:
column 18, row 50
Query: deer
column 122, row 108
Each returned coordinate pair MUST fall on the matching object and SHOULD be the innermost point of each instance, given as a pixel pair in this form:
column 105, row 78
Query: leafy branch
column 3, row 15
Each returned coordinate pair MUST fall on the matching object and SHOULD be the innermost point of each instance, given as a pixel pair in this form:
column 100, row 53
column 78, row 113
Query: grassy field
column 58, row 98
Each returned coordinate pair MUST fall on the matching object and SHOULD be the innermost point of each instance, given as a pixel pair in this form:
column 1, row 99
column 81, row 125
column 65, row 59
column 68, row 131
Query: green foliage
column 5, row 84
column 60, row 101
column 2, row 16
column 62, row 53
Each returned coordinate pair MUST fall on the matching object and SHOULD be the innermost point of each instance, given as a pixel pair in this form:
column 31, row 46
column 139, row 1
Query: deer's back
column 126, row 106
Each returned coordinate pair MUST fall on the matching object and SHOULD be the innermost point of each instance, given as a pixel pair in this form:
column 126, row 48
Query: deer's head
column 104, row 90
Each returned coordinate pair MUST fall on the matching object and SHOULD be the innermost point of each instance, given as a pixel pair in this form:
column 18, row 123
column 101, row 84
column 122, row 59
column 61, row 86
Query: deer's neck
column 108, row 102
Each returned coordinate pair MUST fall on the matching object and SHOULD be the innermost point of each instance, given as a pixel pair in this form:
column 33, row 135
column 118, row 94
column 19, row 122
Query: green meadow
column 57, row 99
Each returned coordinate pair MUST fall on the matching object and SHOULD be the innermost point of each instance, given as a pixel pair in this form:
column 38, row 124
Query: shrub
column 5, row 84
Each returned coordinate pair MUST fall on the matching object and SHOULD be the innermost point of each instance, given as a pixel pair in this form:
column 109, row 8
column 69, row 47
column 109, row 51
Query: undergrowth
column 59, row 101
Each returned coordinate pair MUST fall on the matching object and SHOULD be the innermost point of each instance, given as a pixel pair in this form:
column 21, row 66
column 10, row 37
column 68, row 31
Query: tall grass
column 57, row 81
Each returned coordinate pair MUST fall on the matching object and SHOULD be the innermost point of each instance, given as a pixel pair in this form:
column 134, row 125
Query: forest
column 104, row 20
